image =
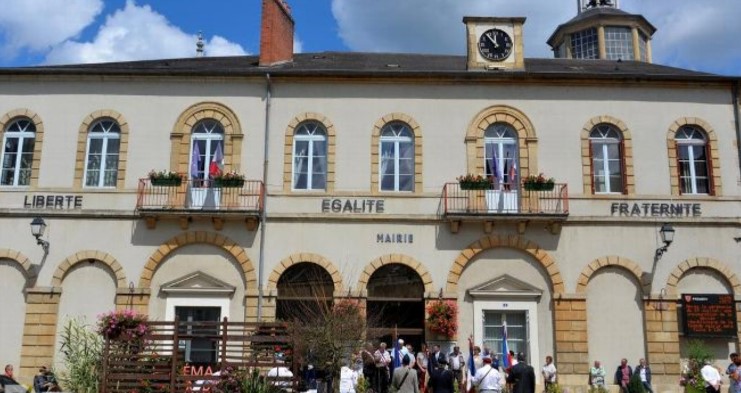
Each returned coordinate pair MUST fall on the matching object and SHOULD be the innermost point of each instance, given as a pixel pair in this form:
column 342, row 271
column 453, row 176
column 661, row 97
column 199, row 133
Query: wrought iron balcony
column 505, row 202
column 191, row 198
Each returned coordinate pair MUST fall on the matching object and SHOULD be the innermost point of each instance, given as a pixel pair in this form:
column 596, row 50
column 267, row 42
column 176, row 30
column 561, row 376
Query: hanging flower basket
column 123, row 325
column 443, row 317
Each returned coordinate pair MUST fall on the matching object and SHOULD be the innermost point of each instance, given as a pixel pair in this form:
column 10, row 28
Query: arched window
column 397, row 157
column 500, row 155
column 692, row 157
column 310, row 156
column 17, row 158
column 103, row 144
column 207, row 149
column 305, row 292
column 606, row 149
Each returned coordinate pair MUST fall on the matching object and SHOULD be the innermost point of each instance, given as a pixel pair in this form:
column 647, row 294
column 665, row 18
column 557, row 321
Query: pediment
column 505, row 285
column 198, row 283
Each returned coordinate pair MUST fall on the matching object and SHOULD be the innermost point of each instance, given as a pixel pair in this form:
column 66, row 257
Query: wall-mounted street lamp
column 38, row 226
column 667, row 236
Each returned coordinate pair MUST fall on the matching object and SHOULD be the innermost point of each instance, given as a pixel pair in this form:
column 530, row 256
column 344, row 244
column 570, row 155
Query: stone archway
column 89, row 255
column 624, row 263
column 707, row 263
column 400, row 259
column 309, row 258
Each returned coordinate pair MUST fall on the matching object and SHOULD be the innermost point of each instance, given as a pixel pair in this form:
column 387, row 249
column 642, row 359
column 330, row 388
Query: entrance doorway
column 396, row 305
column 198, row 350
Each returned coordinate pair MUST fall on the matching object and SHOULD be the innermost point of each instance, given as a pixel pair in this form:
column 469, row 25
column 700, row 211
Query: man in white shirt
column 712, row 378
column 457, row 363
column 487, row 378
column 348, row 379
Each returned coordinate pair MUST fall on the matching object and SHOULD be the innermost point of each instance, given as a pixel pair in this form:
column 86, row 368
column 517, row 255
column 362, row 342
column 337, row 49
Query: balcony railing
column 200, row 195
column 506, row 199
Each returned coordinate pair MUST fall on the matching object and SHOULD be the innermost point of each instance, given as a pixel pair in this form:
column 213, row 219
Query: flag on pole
column 195, row 161
column 397, row 354
column 471, row 368
column 506, row 360
column 217, row 161
column 493, row 164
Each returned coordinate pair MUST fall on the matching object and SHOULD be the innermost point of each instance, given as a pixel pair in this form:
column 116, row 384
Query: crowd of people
column 432, row 370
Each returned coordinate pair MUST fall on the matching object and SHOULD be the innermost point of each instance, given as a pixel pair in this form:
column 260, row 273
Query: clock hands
column 492, row 39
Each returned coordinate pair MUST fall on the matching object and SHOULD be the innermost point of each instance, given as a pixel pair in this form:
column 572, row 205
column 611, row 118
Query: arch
column 288, row 148
column 297, row 258
column 17, row 257
column 712, row 148
column 84, row 256
column 511, row 241
column 612, row 260
column 375, row 155
column 180, row 137
column 627, row 145
column 707, row 263
column 82, row 145
column 38, row 139
column 400, row 259
column 527, row 141
column 199, row 237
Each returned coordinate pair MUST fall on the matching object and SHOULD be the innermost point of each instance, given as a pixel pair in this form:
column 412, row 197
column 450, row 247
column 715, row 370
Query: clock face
column 495, row 45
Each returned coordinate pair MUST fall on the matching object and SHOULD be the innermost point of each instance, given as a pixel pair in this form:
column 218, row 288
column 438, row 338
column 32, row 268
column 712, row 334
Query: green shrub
column 82, row 348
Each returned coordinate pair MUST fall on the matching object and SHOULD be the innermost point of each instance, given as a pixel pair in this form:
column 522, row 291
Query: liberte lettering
column 656, row 209
column 358, row 206
column 52, row 201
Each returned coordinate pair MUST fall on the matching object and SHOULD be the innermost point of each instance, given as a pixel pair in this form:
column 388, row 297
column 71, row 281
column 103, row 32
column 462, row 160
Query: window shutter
column 591, row 165
column 709, row 165
column 623, row 172
column 679, row 167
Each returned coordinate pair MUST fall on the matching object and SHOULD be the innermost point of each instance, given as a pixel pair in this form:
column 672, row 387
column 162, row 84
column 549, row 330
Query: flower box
column 474, row 182
column 165, row 182
column 228, row 183
column 538, row 183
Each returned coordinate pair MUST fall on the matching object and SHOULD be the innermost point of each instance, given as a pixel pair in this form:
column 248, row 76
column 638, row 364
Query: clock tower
column 494, row 43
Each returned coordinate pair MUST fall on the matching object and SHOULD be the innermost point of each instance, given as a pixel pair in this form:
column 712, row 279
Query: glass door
column 201, row 346
column 517, row 331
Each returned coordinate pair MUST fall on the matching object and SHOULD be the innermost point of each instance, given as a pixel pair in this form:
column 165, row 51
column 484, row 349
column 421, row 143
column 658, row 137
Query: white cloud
column 699, row 35
column 138, row 33
column 36, row 25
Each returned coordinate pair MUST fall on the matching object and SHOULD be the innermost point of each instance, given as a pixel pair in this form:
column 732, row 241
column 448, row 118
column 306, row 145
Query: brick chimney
column 276, row 36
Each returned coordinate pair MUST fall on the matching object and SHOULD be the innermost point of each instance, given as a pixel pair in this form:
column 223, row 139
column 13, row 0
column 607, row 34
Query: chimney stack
column 276, row 36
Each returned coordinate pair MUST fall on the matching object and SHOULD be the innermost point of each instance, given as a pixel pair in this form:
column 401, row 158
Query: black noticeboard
column 706, row 315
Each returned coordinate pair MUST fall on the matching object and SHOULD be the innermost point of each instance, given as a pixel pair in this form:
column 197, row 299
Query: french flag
column 506, row 360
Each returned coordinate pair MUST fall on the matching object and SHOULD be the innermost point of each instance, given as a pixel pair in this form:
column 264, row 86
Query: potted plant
column 473, row 182
column 165, row 178
column 538, row 183
column 443, row 317
column 228, row 179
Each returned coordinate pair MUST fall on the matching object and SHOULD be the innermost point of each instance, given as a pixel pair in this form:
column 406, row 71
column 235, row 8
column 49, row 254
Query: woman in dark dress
column 441, row 379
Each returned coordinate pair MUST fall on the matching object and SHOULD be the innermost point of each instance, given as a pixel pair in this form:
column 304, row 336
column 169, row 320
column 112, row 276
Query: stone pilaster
column 572, row 355
column 39, row 330
column 136, row 299
column 662, row 340
column 269, row 301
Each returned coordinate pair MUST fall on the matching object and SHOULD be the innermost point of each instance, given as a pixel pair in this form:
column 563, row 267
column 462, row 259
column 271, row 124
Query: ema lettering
column 352, row 206
column 656, row 209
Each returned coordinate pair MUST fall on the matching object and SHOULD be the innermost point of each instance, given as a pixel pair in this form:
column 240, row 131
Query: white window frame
column 397, row 139
column 686, row 142
column 316, row 135
column 603, row 141
column 209, row 134
column 22, row 134
column 504, row 135
column 505, row 305
column 105, row 135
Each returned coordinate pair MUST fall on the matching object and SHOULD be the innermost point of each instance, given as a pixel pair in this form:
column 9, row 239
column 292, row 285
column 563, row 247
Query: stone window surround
column 375, row 154
column 711, row 148
column 288, row 151
column 11, row 116
column 82, row 139
column 626, row 152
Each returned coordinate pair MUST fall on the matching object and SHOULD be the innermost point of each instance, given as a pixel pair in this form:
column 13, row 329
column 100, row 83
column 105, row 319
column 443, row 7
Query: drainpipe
column 737, row 120
column 264, row 212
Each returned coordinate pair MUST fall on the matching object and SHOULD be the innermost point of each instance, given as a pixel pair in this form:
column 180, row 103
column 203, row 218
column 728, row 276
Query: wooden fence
column 159, row 362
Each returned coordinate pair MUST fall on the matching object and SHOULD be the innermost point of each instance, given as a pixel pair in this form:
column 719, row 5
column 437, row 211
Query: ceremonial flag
column 491, row 150
column 471, row 368
column 195, row 161
column 397, row 354
column 506, row 360
column 216, row 162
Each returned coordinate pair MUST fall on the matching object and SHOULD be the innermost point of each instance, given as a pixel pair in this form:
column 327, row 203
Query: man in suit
column 522, row 376
column 405, row 378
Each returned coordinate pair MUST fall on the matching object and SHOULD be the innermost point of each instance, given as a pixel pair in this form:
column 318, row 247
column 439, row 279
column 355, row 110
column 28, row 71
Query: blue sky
column 702, row 36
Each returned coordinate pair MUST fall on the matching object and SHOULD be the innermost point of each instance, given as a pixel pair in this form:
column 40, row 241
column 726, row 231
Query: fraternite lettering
column 353, row 206
column 623, row 209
